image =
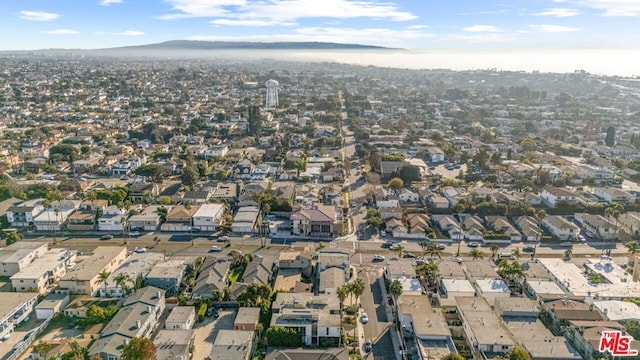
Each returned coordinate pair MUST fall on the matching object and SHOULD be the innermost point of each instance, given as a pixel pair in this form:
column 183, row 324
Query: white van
column 506, row 256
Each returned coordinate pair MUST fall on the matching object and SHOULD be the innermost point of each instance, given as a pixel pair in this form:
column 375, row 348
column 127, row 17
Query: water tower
column 271, row 101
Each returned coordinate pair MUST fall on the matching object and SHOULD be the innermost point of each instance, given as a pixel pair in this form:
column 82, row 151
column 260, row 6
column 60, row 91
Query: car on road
column 378, row 257
column 457, row 259
column 137, row 228
column 441, row 247
column 528, row 248
column 215, row 248
column 409, row 255
column 383, row 233
column 364, row 318
column 106, row 237
column 386, row 245
column 71, row 265
column 223, row 238
column 582, row 238
column 140, row 250
column 210, row 311
column 216, row 313
column 473, row 244
column 134, row 233
column 368, row 345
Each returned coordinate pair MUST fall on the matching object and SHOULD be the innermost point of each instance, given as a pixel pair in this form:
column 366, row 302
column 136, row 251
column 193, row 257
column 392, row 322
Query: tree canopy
column 139, row 348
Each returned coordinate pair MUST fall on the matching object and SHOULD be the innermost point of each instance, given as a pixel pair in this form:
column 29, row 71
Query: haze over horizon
column 546, row 30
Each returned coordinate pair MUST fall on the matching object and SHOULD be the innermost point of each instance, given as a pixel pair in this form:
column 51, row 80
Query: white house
column 598, row 224
column 216, row 151
column 22, row 215
column 111, row 219
column 16, row 307
column 53, row 218
column 551, row 196
column 561, row 228
column 610, row 194
column 43, row 272
column 208, row 217
column 408, row 196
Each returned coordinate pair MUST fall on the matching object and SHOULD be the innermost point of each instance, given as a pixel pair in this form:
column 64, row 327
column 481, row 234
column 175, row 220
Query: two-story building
column 43, row 272
column 312, row 317
column 552, row 196
column 22, row 215
column 208, row 217
column 561, row 228
column 84, row 278
column 17, row 256
column 317, row 221
column 14, row 309
column 180, row 218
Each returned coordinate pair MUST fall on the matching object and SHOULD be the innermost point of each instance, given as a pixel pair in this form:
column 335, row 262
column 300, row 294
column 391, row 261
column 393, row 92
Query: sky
column 411, row 24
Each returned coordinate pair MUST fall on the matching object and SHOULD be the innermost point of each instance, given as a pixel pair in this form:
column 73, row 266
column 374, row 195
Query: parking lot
column 207, row 331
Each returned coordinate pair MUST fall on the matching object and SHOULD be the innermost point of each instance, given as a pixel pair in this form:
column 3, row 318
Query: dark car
column 216, row 313
column 408, row 256
column 106, row 237
column 368, row 345
column 386, row 245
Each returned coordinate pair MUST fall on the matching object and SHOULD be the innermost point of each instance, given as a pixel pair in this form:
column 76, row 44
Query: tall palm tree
column 342, row 292
column 423, row 245
column 614, row 210
column 429, row 272
column 395, row 290
column 633, row 247
column 494, row 250
column 121, row 281
column 433, row 251
column 516, row 253
column 476, row 254
column 357, row 287
column 399, row 249
column 103, row 277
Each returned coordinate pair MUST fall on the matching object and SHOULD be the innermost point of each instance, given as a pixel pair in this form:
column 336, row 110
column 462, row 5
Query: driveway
column 207, row 331
column 377, row 329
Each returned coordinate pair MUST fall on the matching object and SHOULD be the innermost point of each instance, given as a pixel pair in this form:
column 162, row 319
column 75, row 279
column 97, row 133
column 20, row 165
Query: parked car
column 408, row 255
column 458, row 260
column 134, row 233
column 223, row 238
column 364, row 318
column 368, row 345
column 216, row 312
column 378, row 257
column 386, row 245
column 473, row 244
column 106, row 237
column 215, row 248
column 140, row 250
column 528, row 248
column 71, row 265
column 441, row 247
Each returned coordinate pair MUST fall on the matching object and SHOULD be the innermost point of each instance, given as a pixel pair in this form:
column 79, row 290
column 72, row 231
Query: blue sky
column 415, row 24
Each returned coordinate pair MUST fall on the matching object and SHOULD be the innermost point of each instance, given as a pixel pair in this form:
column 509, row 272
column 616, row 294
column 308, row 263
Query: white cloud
column 38, row 15
column 418, row 27
column 109, row 2
column 558, row 12
column 482, row 28
column 553, row 28
column 379, row 36
column 613, row 7
column 130, row 33
column 237, row 22
column 61, row 32
column 483, row 38
column 286, row 10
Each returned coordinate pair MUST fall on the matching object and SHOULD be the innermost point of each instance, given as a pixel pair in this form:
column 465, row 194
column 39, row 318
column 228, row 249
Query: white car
column 134, row 233
column 71, row 265
column 377, row 257
column 364, row 318
column 140, row 250
column 215, row 248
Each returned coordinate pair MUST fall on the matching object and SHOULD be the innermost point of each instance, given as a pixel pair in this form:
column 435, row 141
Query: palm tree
column 567, row 253
column 516, row 253
column 342, row 292
column 494, row 250
column 476, row 254
column 103, row 277
column 633, row 247
column 429, row 272
column 423, row 245
column 121, row 281
column 433, row 251
column 395, row 290
column 399, row 249
column 357, row 287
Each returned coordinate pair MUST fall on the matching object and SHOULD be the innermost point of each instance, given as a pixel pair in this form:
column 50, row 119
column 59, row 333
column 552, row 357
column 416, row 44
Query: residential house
column 473, row 228
column 317, row 221
column 136, row 265
column 137, row 317
column 143, row 192
column 167, row 275
column 17, row 256
column 180, row 317
column 82, row 220
column 454, row 195
column 611, row 194
column 586, row 335
column 332, row 270
column 232, row 345
column 333, row 173
column 180, row 218
column 208, row 217
column 124, row 167
column 385, row 198
column 244, row 169
column 629, row 222
column 212, row 276
column 246, row 220
column 216, row 151
column 407, row 195
column 561, row 228
column 258, row 270
column 84, row 277
column 148, row 220
column 174, row 344
column 477, row 316
column 15, row 309
column 529, row 227
column 22, row 215
column 449, row 225
column 225, row 191
column 387, row 168
column 295, row 260
column 200, row 195
column 52, row 305
column 247, row 319
column 435, row 154
column 500, row 225
column 553, row 196
column 55, row 217
column 112, row 219
column 313, row 317
column 598, row 225
column 309, row 353
column 391, row 213
column 563, row 309
column 44, row 272
column 396, row 228
column 418, row 225
column 426, row 325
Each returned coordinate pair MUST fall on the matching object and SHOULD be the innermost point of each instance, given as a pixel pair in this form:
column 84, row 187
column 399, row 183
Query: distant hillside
column 227, row 45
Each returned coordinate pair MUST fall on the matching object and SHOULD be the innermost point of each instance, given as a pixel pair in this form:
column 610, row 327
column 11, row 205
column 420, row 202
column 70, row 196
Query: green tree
column 409, row 174
column 516, row 253
column 103, row 277
column 281, row 337
column 452, row 356
column 156, row 172
column 633, row 247
column 476, row 254
column 518, row 353
column 254, row 294
column 494, row 250
column 139, row 348
column 357, row 288
column 399, row 249
column 610, row 138
column 429, row 272
column 255, row 121
column 396, row 183
column 12, row 237
column 433, row 251
column 395, row 290
column 122, row 281
column 65, row 152
column 189, row 175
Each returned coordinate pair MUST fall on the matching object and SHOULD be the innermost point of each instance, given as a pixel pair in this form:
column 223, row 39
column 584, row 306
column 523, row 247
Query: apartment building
column 83, row 278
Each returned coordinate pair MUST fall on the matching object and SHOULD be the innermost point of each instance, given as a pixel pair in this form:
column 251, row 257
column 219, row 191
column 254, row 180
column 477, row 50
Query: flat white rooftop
column 458, row 286
column 545, row 287
column 617, row 310
column 492, row 286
